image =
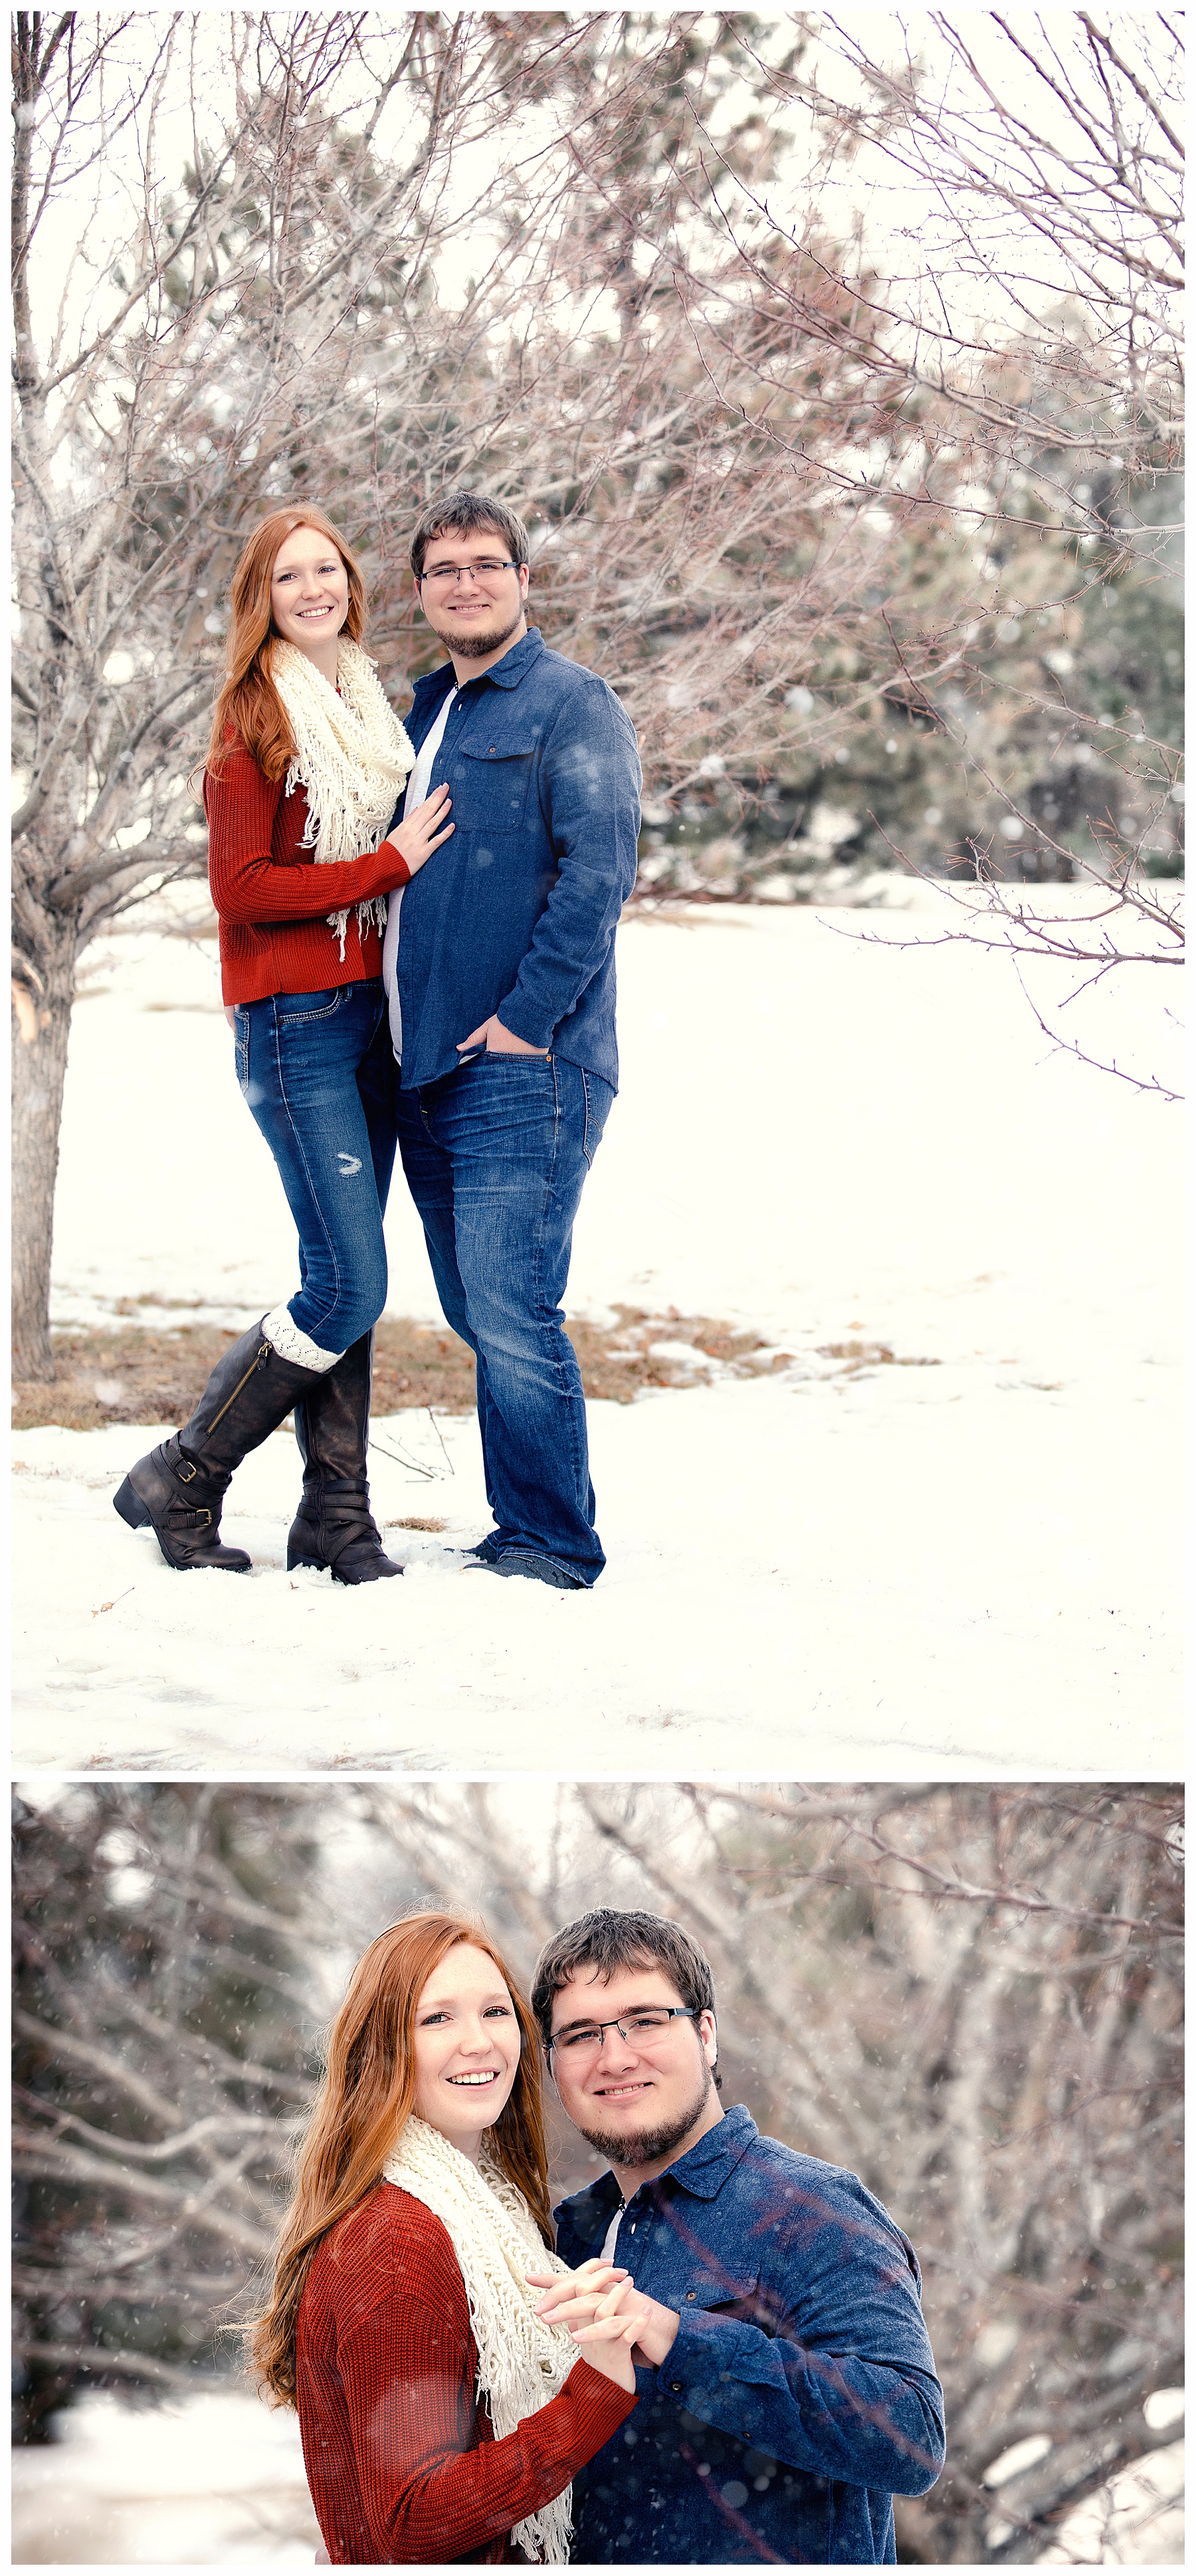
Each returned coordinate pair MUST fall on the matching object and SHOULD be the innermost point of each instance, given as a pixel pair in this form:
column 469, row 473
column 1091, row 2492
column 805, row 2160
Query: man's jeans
column 315, row 1070
column 495, row 1156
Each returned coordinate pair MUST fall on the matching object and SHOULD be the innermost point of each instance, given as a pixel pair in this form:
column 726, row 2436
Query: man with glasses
column 786, row 2384
column 499, row 970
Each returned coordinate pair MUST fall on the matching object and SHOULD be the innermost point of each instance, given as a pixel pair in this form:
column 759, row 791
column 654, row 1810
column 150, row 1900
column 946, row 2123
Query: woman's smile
column 465, row 2012
column 309, row 596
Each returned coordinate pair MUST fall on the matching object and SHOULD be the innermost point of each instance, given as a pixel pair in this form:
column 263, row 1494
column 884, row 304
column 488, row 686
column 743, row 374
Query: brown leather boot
column 334, row 1526
column 178, row 1489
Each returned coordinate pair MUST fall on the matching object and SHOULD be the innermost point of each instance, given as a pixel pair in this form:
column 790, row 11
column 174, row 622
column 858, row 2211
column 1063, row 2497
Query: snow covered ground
column 217, row 2481
column 970, row 1566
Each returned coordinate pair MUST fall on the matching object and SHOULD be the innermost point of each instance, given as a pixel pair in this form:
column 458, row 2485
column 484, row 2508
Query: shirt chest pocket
column 724, row 2291
column 492, row 784
column 746, row 2300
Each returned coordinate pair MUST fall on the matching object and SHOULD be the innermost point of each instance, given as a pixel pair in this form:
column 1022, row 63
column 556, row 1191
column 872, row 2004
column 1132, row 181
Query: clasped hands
column 600, row 2303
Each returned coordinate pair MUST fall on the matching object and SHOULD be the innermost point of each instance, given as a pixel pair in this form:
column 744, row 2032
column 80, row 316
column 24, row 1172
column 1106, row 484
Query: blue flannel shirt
column 517, row 912
column 800, row 2394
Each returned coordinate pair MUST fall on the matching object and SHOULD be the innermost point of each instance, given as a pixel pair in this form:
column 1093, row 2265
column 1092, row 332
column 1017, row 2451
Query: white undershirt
column 417, row 789
column 608, row 2243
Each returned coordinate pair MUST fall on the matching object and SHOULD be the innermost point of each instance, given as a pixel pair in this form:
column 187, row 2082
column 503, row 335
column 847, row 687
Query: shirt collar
column 705, row 2168
column 701, row 2172
column 599, row 2199
column 506, row 674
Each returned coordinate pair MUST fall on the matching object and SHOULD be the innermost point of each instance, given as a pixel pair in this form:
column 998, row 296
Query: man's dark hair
column 464, row 513
column 607, row 1941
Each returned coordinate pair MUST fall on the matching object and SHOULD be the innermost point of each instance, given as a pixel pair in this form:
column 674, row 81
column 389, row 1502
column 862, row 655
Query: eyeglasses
column 642, row 2027
column 485, row 571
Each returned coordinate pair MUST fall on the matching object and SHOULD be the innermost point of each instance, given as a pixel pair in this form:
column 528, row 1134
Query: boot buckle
column 187, row 1471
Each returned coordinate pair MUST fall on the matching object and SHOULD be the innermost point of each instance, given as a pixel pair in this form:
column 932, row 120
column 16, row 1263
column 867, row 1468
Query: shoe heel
column 130, row 1506
column 296, row 1556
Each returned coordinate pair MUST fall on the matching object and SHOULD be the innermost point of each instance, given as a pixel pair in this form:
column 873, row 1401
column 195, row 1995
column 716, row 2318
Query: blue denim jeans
column 495, row 1156
column 316, row 1070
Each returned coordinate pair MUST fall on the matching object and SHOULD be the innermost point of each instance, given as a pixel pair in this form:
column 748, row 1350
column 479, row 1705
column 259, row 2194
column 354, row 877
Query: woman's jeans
column 495, row 1156
column 317, row 1072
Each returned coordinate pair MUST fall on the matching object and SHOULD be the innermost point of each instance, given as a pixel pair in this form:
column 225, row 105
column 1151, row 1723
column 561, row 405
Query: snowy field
column 217, row 2481
column 209, row 2481
column 970, row 1566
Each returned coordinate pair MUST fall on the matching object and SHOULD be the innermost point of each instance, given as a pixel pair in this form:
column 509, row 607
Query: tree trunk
column 41, row 1024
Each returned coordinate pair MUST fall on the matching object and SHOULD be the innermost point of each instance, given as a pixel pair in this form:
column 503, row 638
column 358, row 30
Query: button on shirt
column 417, row 789
column 800, row 2392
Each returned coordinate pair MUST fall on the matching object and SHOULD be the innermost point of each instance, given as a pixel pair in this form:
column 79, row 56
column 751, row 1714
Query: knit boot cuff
column 290, row 1344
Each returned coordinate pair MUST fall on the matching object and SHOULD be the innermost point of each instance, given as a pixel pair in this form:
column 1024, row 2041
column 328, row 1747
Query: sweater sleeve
column 249, row 884
column 430, row 2498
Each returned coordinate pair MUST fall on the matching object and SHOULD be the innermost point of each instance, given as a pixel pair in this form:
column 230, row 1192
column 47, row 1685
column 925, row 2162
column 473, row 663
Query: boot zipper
column 261, row 1353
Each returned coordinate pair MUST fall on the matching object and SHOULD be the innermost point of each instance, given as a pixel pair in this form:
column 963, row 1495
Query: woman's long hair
column 368, row 2090
column 249, row 706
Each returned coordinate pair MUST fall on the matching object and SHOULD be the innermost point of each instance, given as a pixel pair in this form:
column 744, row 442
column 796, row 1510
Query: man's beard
column 642, row 2147
column 471, row 646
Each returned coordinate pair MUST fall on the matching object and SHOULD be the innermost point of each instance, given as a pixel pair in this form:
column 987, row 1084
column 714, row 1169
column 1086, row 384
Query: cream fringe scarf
column 522, row 2363
column 351, row 754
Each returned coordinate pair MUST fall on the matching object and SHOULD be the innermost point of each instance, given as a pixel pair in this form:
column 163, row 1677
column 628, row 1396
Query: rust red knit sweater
column 401, row 2460
column 272, row 898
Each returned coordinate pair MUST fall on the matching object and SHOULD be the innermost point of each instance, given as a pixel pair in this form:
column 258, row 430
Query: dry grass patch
column 142, row 1376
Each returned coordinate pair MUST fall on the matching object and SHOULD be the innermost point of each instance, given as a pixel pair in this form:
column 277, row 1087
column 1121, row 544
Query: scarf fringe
column 373, row 909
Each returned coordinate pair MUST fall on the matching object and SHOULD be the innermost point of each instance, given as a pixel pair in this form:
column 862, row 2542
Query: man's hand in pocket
column 497, row 1040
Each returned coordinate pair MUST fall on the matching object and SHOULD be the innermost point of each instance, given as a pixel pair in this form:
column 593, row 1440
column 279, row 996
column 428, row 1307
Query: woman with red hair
column 442, row 2419
column 306, row 767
